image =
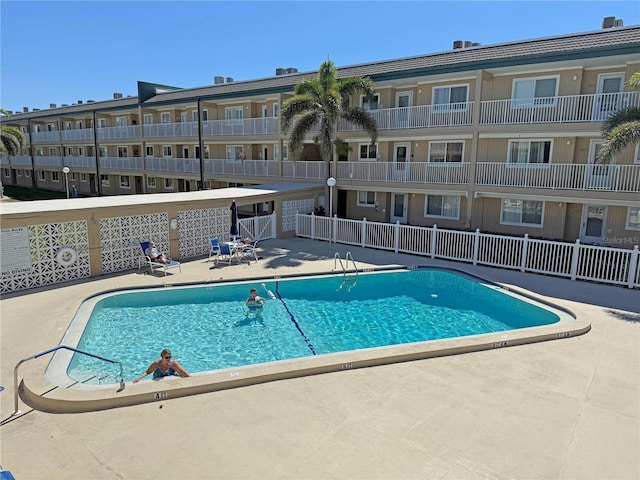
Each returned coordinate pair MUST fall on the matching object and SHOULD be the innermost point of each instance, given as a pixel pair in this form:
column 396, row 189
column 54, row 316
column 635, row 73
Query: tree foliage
column 622, row 128
column 13, row 140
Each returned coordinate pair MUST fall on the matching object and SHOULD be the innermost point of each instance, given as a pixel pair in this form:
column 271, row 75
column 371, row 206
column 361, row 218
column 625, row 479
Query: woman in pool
column 164, row 367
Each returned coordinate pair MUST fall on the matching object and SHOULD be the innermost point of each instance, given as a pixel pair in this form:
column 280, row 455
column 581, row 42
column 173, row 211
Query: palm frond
column 634, row 82
column 296, row 106
column 303, row 124
column 619, row 138
column 624, row 115
column 363, row 119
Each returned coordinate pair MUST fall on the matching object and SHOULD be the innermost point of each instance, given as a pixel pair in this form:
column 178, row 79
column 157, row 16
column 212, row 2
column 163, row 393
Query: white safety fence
column 576, row 261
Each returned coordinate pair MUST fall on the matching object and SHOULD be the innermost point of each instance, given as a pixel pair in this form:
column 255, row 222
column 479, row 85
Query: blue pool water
column 209, row 327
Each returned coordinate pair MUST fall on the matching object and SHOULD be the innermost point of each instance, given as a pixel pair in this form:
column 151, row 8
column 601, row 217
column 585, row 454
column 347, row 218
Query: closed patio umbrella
column 234, row 218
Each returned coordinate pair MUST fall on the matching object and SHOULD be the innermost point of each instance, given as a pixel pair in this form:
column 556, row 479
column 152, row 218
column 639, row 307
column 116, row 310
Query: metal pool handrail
column 59, row 347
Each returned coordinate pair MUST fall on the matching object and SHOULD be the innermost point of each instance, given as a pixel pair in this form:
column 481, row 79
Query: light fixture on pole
column 66, row 170
column 331, row 182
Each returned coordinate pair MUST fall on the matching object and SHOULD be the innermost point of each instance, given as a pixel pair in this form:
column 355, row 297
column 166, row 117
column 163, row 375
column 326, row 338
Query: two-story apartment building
column 503, row 138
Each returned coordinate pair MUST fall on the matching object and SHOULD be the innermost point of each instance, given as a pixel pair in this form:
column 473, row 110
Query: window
column 276, row 109
column 443, row 206
column 372, row 103
column 276, row 151
column 81, row 151
column 51, row 127
column 168, row 183
column 446, row 151
column 124, row 181
column 165, row 117
column 529, row 151
column 366, row 199
column 205, row 115
column 149, row 150
column 37, row 129
column 67, row 125
column 166, row 151
column 147, row 119
column 19, row 172
column 636, row 158
column 233, row 115
column 39, row 152
column 104, row 180
column 151, row 182
column 27, row 174
column 53, row 151
column 233, row 152
column 102, row 122
column 83, row 177
column 194, row 115
column 69, row 151
column 121, row 121
column 72, row 176
column 521, row 212
column 41, row 175
column 633, row 218
column 368, row 152
column 454, row 97
column 79, row 124
column 6, row 172
column 123, row 152
column 102, row 152
column 538, row 92
column 285, row 152
column 55, row 176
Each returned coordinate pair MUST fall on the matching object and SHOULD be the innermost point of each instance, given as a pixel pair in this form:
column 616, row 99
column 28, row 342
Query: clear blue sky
column 62, row 52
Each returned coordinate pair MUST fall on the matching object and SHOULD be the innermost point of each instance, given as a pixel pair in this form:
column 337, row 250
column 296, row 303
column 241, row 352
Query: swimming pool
column 208, row 327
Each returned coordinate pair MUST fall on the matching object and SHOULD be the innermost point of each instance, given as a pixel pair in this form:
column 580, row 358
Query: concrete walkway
column 564, row 409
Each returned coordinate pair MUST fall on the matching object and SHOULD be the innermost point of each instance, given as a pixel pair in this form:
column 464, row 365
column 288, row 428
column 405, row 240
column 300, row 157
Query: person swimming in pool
column 254, row 303
column 165, row 367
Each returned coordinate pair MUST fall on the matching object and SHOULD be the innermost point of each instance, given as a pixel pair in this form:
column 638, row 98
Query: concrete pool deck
column 563, row 409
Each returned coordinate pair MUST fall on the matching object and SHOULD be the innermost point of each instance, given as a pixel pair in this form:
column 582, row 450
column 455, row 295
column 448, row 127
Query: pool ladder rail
column 349, row 281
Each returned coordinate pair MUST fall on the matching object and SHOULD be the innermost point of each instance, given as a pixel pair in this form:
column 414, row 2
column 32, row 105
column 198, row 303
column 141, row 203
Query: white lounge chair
column 155, row 265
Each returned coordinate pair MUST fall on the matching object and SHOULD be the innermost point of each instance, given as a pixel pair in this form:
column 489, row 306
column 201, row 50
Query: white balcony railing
column 243, row 126
column 611, row 178
column 118, row 133
column 80, row 162
column 77, row 135
column 20, row 160
column 121, row 163
column 244, row 168
column 48, row 161
column 413, row 172
column 165, row 130
column 44, row 137
column 420, row 116
column 572, row 108
column 303, row 169
column 172, row 165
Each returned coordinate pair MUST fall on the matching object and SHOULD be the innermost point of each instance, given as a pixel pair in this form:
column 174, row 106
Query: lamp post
column 331, row 182
column 65, row 170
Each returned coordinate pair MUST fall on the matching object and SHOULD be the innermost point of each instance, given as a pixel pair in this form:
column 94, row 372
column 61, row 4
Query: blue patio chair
column 219, row 250
column 155, row 265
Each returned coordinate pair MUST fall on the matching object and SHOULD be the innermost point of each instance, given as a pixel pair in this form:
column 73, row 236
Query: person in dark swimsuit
column 254, row 303
column 164, row 367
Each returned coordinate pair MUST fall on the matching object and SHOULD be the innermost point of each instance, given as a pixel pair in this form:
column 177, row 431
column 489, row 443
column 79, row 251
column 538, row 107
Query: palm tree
column 321, row 102
column 622, row 128
column 13, row 140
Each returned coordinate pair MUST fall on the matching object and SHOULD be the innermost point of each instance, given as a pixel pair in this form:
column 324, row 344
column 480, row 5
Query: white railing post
column 633, row 265
column 334, row 228
column 363, row 241
column 476, row 246
column 523, row 259
column 274, row 230
column 313, row 226
column 396, row 237
column 434, row 234
column 574, row 259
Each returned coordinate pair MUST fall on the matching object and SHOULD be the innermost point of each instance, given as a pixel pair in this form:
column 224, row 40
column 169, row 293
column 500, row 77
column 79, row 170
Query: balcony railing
column 4, row 161
column 80, row 162
column 572, row 108
column 244, row 126
column 610, row 178
column 121, row 163
column 420, row 116
column 173, row 165
column 413, row 172
column 20, row 160
column 77, row 135
column 45, row 137
column 248, row 168
column 304, row 170
column 118, row 133
column 48, row 161
column 166, row 130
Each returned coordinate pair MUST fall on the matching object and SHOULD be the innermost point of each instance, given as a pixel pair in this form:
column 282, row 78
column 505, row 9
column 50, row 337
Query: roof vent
column 36, row 109
column 217, row 80
column 10, row 112
column 291, row 70
column 611, row 22
column 90, row 101
column 64, row 105
column 281, row 71
column 79, row 102
column 25, row 109
column 458, row 44
column 52, row 105
column 117, row 95
column 229, row 80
